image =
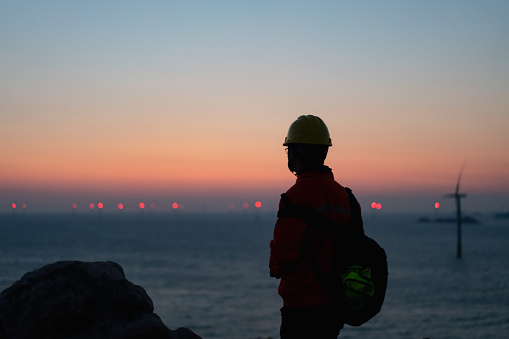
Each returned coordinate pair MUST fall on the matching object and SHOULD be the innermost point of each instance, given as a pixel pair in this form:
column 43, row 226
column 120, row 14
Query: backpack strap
column 356, row 224
column 286, row 212
column 290, row 210
column 312, row 216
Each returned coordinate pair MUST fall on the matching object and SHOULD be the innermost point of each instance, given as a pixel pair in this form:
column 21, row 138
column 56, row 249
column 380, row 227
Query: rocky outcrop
column 81, row 300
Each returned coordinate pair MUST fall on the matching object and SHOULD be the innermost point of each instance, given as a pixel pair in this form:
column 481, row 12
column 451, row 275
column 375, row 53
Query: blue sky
column 409, row 88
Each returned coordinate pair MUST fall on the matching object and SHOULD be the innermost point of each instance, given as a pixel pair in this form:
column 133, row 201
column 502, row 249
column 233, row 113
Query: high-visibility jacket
column 299, row 285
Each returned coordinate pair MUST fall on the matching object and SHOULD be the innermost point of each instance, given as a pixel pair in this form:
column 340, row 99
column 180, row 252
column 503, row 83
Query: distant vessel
column 504, row 215
column 465, row 219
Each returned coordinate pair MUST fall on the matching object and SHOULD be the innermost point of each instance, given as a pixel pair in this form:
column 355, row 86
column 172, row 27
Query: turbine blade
column 459, row 177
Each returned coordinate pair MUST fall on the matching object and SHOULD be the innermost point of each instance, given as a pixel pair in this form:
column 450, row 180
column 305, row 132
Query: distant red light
column 437, row 205
column 13, row 205
column 258, row 204
column 378, row 206
column 142, row 205
column 373, row 204
column 24, row 205
column 74, row 206
column 100, row 205
column 120, row 206
column 91, row 206
column 245, row 205
column 175, row 205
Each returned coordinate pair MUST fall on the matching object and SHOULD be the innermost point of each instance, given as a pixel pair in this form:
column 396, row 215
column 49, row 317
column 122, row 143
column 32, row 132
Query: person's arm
column 286, row 246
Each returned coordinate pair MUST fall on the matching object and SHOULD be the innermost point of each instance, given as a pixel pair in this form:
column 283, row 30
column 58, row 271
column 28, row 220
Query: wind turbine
column 457, row 196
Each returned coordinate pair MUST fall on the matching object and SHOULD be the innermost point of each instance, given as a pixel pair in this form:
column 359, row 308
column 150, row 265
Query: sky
column 189, row 102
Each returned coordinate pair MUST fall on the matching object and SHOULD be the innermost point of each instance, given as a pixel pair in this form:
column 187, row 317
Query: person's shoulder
column 305, row 192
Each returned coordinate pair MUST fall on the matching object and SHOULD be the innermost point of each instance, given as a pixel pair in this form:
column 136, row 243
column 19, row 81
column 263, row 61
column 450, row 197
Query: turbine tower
column 457, row 196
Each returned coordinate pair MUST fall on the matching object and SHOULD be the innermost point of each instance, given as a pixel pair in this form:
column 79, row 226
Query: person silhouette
column 308, row 311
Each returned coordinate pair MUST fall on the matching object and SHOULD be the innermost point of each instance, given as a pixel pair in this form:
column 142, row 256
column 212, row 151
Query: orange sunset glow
column 133, row 113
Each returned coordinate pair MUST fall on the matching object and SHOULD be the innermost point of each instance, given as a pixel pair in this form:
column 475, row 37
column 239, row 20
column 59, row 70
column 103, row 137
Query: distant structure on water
column 457, row 196
column 502, row 215
column 459, row 219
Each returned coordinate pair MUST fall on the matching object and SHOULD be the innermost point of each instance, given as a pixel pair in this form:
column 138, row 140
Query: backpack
column 358, row 280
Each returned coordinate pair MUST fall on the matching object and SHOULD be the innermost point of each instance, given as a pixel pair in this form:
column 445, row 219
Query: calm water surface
column 209, row 272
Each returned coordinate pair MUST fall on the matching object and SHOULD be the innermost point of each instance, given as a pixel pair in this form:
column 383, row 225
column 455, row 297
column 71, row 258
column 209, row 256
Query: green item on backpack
column 358, row 286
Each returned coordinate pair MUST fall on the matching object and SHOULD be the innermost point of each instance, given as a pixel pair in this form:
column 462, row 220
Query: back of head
column 311, row 156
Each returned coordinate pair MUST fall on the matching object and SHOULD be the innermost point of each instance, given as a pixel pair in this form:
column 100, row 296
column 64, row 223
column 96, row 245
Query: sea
column 209, row 271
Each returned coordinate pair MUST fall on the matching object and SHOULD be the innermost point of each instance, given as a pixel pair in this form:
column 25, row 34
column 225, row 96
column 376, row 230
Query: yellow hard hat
column 308, row 129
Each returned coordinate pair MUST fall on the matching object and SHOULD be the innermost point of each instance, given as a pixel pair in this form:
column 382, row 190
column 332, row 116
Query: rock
column 80, row 300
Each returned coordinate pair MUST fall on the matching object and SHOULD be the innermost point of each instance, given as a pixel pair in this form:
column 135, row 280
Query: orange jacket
column 299, row 285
